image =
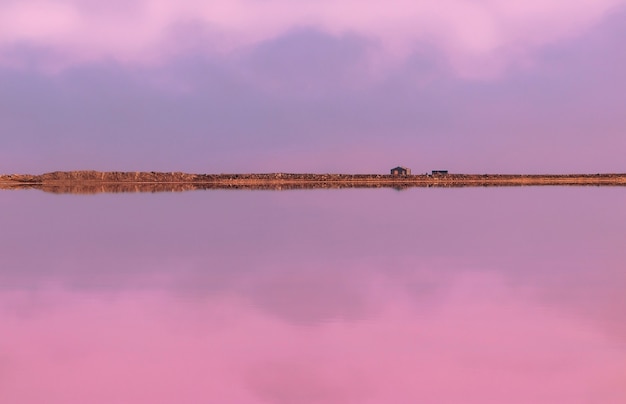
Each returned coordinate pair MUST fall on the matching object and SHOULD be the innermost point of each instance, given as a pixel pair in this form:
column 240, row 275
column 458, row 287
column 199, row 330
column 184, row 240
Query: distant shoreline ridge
column 142, row 181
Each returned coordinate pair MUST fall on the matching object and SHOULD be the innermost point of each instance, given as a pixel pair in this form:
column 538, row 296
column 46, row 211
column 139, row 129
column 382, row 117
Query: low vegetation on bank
column 113, row 181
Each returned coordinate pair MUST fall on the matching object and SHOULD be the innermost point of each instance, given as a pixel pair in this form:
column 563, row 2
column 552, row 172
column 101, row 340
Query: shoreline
column 115, row 181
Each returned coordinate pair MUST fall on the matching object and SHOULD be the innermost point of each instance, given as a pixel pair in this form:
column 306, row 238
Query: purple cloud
column 307, row 100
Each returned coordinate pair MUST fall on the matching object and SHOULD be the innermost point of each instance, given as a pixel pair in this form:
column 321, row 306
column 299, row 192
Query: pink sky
column 482, row 86
column 479, row 37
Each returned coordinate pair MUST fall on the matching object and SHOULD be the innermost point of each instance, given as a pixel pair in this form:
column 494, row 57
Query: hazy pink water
column 355, row 296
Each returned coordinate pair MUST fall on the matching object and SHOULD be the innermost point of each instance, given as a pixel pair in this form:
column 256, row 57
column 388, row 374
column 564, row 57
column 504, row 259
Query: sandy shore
column 86, row 182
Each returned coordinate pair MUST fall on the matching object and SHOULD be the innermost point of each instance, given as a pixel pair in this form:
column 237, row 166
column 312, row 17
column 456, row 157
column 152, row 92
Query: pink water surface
column 355, row 296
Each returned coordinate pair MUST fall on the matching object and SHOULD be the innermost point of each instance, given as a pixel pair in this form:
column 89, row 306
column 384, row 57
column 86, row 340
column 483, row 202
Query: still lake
column 436, row 296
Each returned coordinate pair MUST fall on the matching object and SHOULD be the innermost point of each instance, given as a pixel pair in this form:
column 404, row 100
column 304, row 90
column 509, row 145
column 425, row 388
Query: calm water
column 499, row 295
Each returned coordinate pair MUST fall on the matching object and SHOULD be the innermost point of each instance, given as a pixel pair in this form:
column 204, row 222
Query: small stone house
column 400, row 171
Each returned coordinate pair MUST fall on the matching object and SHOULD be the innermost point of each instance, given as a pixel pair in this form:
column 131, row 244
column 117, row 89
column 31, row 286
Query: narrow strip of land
column 86, row 182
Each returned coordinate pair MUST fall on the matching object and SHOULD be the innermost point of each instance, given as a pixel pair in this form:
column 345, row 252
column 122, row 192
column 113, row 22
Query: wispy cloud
column 478, row 38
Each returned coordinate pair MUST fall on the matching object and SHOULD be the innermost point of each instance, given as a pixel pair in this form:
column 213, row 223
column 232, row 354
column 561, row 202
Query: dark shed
column 400, row 171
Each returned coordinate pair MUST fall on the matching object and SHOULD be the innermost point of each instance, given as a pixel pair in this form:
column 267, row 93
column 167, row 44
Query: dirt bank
column 86, row 182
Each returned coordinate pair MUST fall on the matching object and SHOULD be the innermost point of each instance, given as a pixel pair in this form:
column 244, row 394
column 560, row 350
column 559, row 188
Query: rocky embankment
column 86, row 182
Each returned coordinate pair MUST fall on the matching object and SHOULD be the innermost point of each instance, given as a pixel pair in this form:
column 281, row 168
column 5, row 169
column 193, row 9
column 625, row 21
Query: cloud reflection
column 429, row 295
column 482, row 342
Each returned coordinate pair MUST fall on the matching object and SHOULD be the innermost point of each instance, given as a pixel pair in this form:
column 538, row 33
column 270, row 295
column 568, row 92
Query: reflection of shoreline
column 91, row 182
